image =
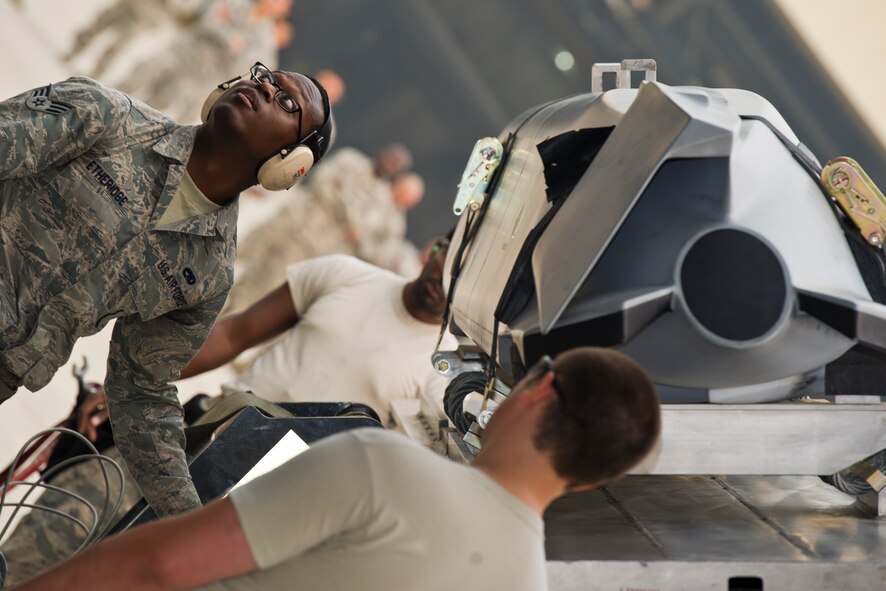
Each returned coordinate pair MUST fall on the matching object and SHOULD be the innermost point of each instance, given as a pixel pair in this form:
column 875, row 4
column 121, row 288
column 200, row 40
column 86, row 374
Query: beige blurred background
column 847, row 38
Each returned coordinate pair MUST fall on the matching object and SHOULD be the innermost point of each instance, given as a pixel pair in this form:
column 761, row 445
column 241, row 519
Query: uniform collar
column 223, row 221
column 177, row 144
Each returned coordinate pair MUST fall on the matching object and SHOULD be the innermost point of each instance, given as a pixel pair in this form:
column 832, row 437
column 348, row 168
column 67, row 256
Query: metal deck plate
column 643, row 531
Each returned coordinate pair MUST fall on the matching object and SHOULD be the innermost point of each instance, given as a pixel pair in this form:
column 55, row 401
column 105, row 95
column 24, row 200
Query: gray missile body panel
column 684, row 243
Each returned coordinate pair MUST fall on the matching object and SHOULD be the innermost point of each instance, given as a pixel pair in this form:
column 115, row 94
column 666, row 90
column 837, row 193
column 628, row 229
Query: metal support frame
column 809, row 437
column 412, row 419
column 797, row 438
column 622, row 72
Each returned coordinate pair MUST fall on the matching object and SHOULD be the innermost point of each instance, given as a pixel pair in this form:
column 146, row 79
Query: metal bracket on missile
column 622, row 72
column 485, row 158
column 497, row 394
column 858, row 196
column 452, row 363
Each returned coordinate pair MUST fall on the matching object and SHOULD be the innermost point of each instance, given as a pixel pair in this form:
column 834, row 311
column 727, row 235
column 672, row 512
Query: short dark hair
column 321, row 139
column 605, row 419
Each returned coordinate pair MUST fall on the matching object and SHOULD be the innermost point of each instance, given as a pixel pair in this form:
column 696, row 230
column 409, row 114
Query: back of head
column 407, row 190
column 323, row 137
column 607, row 421
column 392, row 160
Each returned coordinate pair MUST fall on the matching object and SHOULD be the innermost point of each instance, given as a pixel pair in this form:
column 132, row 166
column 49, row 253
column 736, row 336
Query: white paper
column 289, row 446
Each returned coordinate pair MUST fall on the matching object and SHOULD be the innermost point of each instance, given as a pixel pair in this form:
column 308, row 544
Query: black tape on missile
column 566, row 158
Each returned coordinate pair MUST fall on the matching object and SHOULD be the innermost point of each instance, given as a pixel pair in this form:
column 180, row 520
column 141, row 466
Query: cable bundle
column 94, row 531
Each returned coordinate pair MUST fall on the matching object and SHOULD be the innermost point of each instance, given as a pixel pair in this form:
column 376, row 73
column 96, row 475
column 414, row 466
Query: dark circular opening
column 733, row 284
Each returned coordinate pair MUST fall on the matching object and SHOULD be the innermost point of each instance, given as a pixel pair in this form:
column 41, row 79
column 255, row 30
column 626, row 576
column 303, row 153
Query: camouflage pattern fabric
column 85, row 173
column 42, row 540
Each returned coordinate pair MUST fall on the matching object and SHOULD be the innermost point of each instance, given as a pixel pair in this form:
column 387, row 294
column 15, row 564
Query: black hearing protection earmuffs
column 292, row 162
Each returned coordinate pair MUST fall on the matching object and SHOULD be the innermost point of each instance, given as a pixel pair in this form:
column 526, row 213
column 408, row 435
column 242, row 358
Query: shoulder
column 338, row 265
column 366, row 446
column 92, row 96
column 389, row 454
column 375, row 441
column 345, row 276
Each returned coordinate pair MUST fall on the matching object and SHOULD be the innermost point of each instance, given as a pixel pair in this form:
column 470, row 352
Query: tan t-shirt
column 369, row 509
column 188, row 201
column 354, row 342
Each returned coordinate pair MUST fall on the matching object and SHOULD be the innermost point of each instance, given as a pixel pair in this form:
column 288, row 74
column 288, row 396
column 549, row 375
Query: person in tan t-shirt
column 368, row 509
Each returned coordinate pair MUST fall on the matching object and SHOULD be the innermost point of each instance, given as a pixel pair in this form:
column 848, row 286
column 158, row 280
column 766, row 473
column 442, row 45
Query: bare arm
column 230, row 336
column 181, row 552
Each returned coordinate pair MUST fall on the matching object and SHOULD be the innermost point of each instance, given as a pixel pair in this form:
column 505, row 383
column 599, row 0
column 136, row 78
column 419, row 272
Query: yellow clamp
column 857, row 195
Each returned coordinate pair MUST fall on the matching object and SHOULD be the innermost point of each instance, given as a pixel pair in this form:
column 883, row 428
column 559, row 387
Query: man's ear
column 543, row 390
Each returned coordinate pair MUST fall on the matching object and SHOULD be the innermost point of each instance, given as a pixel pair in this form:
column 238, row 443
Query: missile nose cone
column 734, row 286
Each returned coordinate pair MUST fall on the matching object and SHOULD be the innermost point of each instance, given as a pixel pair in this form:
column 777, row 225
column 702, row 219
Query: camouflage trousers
column 42, row 539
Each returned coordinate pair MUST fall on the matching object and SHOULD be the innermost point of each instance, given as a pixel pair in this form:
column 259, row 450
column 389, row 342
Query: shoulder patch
column 40, row 101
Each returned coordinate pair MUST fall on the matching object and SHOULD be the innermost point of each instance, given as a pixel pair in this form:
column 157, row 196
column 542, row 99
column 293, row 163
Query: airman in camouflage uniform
column 227, row 36
column 86, row 173
column 124, row 19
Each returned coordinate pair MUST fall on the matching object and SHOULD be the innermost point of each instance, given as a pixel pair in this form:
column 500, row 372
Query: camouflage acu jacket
column 85, row 174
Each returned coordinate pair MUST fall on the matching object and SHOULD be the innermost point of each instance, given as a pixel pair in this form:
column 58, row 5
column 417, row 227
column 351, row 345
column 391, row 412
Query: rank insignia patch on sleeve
column 40, row 101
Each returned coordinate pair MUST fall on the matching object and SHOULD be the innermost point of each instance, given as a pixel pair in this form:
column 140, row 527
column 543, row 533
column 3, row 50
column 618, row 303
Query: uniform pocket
column 150, row 301
column 39, row 229
column 56, row 234
column 160, row 290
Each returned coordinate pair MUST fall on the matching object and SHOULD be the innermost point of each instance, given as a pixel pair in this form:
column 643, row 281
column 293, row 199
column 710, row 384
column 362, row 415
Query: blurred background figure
column 124, row 19
column 352, row 204
column 223, row 40
column 333, row 83
column 379, row 233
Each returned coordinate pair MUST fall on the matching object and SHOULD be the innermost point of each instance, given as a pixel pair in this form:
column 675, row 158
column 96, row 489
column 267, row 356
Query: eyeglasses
column 263, row 75
column 539, row 370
